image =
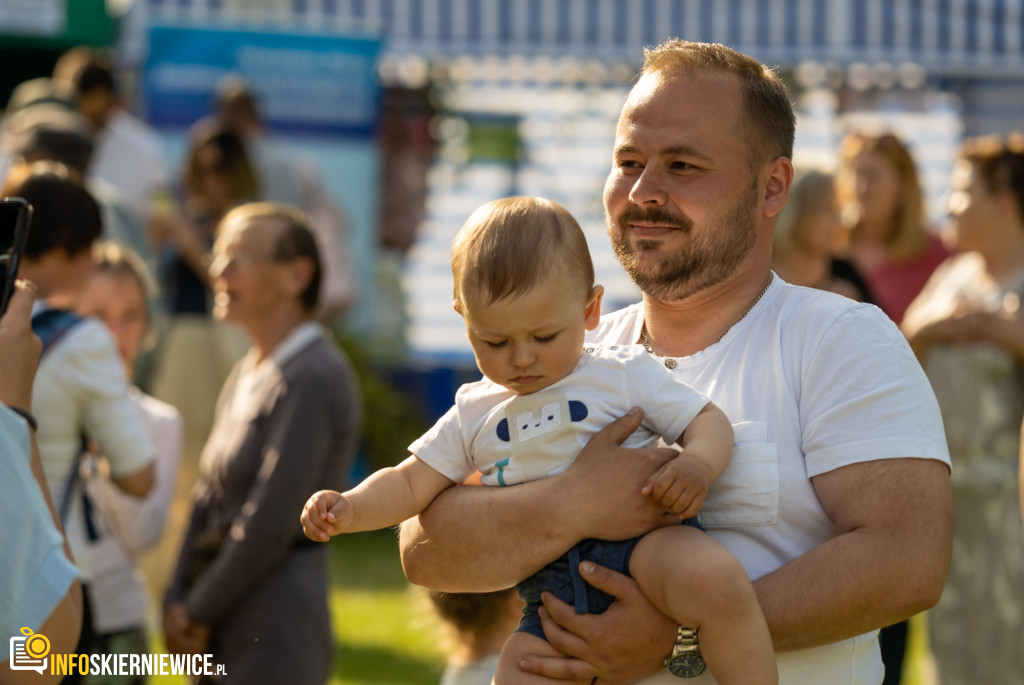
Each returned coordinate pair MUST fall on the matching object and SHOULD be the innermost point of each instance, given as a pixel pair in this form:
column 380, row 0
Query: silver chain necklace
column 647, row 344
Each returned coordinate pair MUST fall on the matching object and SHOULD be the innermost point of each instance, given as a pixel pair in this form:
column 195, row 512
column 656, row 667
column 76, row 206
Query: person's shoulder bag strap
column 51, row 325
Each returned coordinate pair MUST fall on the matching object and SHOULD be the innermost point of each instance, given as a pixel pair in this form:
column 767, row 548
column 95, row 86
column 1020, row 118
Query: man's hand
column 613, row 477
column 19, row 349
column 326, row 513
column 627, row 642
column 483, row 539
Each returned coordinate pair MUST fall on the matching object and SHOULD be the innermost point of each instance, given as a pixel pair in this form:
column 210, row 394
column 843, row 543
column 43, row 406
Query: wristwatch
column 685, row 660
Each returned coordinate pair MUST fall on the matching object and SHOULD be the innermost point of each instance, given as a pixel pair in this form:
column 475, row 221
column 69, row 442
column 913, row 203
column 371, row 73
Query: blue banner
column 310, row 83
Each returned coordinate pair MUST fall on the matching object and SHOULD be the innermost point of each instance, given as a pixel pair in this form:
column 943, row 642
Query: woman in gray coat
column 247, row 588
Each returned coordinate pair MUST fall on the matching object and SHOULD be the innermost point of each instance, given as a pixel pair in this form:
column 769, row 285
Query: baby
column 524, row 284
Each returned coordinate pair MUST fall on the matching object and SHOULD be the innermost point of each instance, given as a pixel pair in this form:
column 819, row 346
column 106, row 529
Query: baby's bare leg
column 518, row 645
column 692, row 578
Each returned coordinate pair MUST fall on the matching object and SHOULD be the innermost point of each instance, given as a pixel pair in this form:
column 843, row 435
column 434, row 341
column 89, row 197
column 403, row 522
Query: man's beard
column 712, row 255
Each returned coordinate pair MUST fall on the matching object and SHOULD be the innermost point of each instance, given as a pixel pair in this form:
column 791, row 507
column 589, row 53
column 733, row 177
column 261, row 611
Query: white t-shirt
column 811, row 382
column 128, row 155
column 480, row 672
column 81, row 386
column 513, row 438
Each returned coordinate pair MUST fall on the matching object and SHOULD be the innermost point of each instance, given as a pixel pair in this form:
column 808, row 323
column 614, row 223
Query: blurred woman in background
column 197, row 352
column 218, row 176
column 249, row 588
column 967, row 330
column 118, row 294
column 805, row 233
column 882, row 205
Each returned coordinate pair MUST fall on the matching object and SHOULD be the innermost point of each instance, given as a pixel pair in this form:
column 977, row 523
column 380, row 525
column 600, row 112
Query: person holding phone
column 80, row 388
column 40, row 591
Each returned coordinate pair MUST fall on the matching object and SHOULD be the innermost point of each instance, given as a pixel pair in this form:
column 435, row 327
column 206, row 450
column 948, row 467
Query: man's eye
column 500, row 343
column 629, row 164
column 546, row 338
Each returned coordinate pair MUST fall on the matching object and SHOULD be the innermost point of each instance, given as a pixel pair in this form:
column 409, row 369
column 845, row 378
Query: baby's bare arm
column 386, row 498
column 681, row 485
column 709, row 438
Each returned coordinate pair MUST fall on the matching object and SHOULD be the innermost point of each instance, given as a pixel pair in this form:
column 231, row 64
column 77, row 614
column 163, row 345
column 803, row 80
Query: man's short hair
column 64, row 215
column 507, row 246
column 768, row 123
column 83, row 69
column 294, row 240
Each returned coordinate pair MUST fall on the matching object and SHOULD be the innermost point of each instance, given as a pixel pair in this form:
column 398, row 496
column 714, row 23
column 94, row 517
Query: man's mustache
column 654, row 215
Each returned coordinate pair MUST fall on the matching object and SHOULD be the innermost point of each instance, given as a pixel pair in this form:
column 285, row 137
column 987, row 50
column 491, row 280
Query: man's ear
column 776, row 189
column 592, row 313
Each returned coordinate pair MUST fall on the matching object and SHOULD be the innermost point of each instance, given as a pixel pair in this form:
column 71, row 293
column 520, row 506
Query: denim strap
column 579, row 586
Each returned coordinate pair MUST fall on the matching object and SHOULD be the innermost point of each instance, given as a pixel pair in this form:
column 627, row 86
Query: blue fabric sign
column 309, row 83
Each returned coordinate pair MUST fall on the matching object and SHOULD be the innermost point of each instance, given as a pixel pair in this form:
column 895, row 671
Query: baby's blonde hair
column 508, row 246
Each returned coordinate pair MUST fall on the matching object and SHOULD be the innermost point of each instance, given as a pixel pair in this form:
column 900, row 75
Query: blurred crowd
column 955, row 292
column 161, row 296
column 188, row 362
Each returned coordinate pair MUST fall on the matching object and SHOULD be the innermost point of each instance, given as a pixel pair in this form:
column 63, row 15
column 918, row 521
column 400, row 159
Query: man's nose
column 649, row 188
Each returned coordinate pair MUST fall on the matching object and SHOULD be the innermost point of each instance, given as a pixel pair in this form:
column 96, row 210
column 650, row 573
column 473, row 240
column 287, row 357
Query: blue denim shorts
column 562, row 578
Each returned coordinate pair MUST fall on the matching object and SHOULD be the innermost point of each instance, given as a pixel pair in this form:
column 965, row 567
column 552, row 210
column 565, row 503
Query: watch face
column 687, row 665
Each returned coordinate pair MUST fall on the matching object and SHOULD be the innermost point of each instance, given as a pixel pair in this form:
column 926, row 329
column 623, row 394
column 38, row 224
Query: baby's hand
column 680, row 486
column 326, row 513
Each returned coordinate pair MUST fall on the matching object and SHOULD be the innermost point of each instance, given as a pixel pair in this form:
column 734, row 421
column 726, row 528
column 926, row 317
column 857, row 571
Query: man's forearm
column 822, row 597
column 481, row 539
column 868, row 577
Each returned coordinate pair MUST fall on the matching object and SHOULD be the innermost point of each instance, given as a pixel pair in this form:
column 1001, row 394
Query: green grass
column 918, row 668
column 384, row 631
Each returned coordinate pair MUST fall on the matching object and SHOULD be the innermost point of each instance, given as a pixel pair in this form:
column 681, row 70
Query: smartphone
column 15, row 217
